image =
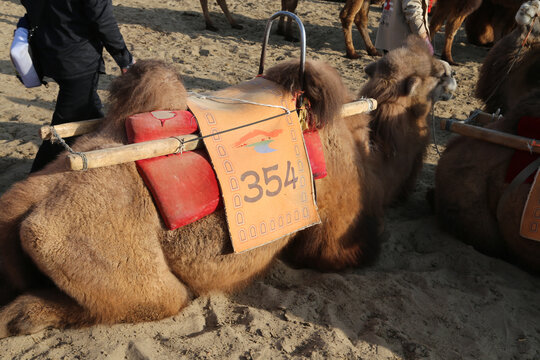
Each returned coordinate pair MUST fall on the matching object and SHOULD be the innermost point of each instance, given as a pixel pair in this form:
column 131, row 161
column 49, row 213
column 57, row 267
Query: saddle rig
column 267, row 188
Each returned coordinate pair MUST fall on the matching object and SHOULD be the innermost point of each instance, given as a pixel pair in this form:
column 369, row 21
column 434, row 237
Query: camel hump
column 323, row 88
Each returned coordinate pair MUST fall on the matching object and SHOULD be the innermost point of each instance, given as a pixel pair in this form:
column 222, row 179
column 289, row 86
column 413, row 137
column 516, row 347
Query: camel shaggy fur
column 469, row 185
column 510, row 69
column 453, row 13
column 99, row 240
column 357, row 11
column 470, row 178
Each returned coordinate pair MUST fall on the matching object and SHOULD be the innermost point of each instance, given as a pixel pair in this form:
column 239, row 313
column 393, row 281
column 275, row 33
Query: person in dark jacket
column 67, row 41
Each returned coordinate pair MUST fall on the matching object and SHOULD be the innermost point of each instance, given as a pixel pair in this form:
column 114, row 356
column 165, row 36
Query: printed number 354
column 272, row 181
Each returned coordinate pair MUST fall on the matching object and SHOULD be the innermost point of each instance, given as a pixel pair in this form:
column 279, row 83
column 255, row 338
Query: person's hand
column 428, row 42
column 124, row 70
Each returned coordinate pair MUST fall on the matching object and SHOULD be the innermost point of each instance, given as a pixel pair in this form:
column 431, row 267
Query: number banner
column 263, row 169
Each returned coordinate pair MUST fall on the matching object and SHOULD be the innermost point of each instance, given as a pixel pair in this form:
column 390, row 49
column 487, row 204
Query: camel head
column 148, row 85
column 527, row 12
column 405, row 82
column 409, row 76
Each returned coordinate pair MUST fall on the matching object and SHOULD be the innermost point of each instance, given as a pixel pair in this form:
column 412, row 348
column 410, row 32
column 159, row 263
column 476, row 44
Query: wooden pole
column 155, row 148
column 493, row 136
column 70, row 129
column 86, row 126
column 133, row 152
column 483, row 118
column 358, row 107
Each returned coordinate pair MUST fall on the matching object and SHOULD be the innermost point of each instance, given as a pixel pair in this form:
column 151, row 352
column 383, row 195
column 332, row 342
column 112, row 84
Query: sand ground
column 428, row 296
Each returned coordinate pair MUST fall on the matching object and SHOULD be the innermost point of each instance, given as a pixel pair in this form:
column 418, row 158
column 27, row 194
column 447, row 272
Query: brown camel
column 453, row 13
column 501, row 85
column 98, row 236
column 469, row 184
column 357, row 11
column 488, row 24
column 470, row 178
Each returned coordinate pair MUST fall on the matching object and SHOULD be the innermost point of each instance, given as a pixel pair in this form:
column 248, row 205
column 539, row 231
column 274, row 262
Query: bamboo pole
column 70, row 129
column 133, row 152
column 358, row 107
column 493, row 136
column 155, row 148
column 86, row 126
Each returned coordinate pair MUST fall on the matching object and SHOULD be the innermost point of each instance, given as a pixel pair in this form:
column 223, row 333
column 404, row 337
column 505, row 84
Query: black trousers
column 77, row 100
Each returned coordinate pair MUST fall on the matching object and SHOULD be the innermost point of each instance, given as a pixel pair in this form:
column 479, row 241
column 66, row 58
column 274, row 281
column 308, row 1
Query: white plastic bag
column 20, row 57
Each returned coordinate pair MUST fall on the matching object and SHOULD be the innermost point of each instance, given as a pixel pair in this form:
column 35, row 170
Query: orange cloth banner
column 530, row 219
column 263, row 169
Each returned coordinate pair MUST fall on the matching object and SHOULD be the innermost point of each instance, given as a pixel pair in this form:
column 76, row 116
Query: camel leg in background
column 361, row 21
column 452, row 27
column 285, row 25
column 347, row 15
column 209, row 25
column 436, row 22
column 225, row 9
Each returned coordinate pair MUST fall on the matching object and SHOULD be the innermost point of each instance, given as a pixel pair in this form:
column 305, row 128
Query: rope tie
column 370, row 102
column 58, row 139
column 181, row 146
column 433, row 131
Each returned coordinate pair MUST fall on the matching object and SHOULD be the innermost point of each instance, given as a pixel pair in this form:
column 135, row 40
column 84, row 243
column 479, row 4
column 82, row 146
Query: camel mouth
column 527, row 12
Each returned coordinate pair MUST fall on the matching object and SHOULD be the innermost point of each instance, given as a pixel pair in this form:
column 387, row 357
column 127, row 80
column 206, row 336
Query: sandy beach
column 428, row 296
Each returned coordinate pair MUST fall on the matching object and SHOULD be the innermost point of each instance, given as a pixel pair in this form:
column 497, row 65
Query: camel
column 488, row 24
column 501, row 85
column 357, row 11
column 453, row 13
column 82, row 248
column 470, row 176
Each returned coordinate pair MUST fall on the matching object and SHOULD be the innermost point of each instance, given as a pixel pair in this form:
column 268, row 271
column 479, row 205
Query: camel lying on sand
column 470, row 178
column 82, row 248
column 453, row 13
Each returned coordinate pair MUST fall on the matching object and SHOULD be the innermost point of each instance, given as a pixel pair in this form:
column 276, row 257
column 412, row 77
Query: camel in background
column 488, row 24
column 472, row 175
column 452, row 13
column 357, row 11
column 82, row 248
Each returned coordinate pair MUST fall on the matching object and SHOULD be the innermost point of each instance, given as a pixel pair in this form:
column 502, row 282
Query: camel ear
column 410, row 85
column 370, row 69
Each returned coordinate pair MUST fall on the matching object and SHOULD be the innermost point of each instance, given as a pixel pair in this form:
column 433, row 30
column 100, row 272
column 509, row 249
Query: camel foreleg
column 361, row 21
column 230, row 19
column 347, row 15
column 38, row 310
